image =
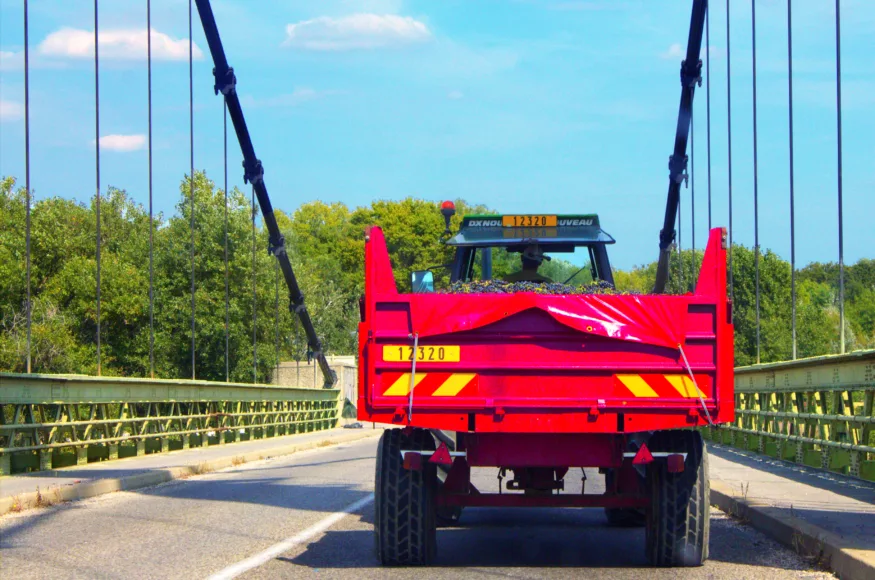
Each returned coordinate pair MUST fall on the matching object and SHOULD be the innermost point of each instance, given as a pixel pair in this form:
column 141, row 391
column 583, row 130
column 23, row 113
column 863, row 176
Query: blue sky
column 523, row 105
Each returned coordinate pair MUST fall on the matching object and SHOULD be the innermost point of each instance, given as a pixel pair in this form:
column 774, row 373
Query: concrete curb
column 57, row 494
column 826, row 547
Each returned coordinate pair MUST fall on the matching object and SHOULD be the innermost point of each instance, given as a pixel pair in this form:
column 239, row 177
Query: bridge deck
column 835, row 504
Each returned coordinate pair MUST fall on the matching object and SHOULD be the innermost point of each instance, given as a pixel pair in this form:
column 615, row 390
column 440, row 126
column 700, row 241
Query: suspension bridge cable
column 151, row 206
column 729, row 142
column 680, row 248
column 792, row 191
column 254, row 298
column 97, row 170
column 756, row 208
column 839, row 182
column 276, row 307
column 708, row 101
column 693, row 197
column 27, row 306
column 191, row 178
column 227, row 297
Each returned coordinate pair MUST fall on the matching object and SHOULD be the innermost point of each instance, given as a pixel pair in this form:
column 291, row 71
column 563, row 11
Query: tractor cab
column 559, row 248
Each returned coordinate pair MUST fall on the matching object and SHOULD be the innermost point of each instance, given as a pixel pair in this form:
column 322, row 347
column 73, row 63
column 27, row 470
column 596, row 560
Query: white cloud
column 674, row 51
column 121, row 44
column 358, row 31
column 123, row 142
column 10, row 111
column 11, row 60
column 455, row 95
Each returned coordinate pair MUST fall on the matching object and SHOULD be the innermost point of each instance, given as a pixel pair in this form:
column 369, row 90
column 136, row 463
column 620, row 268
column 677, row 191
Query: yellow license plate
column 438, row 354
column 529, row 221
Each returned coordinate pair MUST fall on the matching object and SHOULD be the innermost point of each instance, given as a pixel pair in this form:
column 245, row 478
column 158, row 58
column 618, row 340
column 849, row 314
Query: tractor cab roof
column 556, row 233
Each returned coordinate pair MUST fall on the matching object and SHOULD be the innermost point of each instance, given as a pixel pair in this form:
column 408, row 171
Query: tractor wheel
column 678, row 521
column 622, row 517
column 404, row 522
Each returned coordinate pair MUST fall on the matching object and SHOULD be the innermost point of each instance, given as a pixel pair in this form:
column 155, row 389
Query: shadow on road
column 548, row 538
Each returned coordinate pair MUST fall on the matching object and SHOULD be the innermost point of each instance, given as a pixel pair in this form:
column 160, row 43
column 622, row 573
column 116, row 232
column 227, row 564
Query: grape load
column 551, row 288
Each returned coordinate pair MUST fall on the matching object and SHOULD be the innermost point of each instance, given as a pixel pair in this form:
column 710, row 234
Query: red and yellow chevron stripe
column 430, row 384
column 661, row 385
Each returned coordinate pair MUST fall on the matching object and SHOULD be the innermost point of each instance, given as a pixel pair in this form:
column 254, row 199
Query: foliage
column 325, row 243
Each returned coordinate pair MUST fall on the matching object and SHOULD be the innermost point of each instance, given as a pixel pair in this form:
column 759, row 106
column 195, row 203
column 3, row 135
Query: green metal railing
column 50, row 421
column 816, row 412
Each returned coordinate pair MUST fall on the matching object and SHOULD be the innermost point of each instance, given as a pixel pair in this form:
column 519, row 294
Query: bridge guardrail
column 50, row 421
column 816, row 411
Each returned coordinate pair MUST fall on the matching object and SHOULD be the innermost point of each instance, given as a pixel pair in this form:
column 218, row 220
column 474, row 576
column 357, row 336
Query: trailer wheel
column 404, row 522
column 622, row 517
column 678, row 522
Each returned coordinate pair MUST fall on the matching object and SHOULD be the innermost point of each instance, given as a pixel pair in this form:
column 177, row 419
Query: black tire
column 404, row 521
column 678, row 522
column 623, row 517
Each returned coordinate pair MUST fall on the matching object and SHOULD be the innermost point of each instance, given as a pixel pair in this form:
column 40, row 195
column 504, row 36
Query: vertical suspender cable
column 191, row 176
column 151, row 207
column 680, row 248
column 693, row 199
column 27, row 306
column 97, row 171
column 792, row 192
column 839, row 183
column 756, row 208
column 227, row 297
column 254, row 298
column 729, row 142
column 276, row 307
column 708, row 102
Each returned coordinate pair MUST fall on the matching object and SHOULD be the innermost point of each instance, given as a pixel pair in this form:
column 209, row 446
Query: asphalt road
column 280, row 519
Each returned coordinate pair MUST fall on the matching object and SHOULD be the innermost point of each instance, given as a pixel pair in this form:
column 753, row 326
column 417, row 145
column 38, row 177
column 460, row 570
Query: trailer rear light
column 675, row 463
column 412, row 461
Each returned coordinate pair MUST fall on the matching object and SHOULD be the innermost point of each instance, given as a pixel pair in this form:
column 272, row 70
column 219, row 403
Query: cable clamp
column 691, row 75
column 253, row 173
column 666, row 238
column 677, row 169
column 226, row 83
column 276, row 246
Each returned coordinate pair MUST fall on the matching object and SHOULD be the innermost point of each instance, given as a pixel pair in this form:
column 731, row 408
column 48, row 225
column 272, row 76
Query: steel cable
column 97, row 170
column 839, row 175
column 729, row 143
column 276, row 306
column 227, row 296
column 191, row 179
column 708, row 101
column 680, row 247
column 693, row 198
column 151, row 206
column 27, row 306
column 756, row 209
column 254, row 297
column 792, row 192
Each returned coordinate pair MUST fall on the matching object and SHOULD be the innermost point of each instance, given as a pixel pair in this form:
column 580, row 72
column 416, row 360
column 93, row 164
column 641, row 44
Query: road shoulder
column 825, row 518
column 42, row 489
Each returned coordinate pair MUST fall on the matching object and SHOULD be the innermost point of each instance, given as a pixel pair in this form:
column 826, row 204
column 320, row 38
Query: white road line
column 261, row 558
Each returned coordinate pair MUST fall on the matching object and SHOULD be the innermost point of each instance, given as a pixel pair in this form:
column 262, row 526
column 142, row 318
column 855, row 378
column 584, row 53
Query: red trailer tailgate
column 533, row 363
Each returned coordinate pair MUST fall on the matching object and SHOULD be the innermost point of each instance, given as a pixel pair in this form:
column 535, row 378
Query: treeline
column 326, row 244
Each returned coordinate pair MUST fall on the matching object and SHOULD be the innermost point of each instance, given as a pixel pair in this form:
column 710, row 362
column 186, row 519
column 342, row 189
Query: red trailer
column 535, row 384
